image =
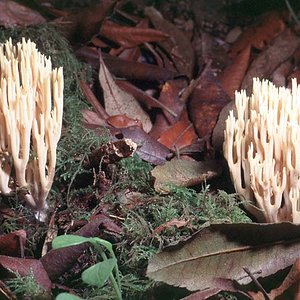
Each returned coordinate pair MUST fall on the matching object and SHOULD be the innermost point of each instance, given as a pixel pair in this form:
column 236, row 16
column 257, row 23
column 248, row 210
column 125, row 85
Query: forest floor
column 140, row 170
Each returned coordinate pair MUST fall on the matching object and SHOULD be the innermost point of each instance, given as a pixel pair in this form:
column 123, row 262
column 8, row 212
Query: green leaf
column 99, row 273
column 68, row 240
column 97, row 241
column 66, row 296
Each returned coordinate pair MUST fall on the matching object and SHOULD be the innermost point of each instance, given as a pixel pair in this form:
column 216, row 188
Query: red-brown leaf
column 206, row 102
column 143, row 97
column 117, row 101
column 148, row 148
column 15, row 14
column 58, row 261
column 13, row 243
column 83, row 24
column 93, row 100
column 173, row 222
column 25, row 267
column 281, row 49
column 128, row 37
column 180, row 135
column 260, row 35
column 123, row 121
column 231, row 78
column 178, row 46
column 170, row 97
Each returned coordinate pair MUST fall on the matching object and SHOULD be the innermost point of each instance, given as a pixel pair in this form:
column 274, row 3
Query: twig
column 288, row 5
column 260, row 287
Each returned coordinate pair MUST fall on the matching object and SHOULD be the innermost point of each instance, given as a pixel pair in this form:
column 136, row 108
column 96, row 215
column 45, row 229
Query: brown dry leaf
column 122, row 121
column 24, row 267
column 14, row 14
column 58, row 261
column 128, row 37
column 148, row 149
column 281, row 73
column 160, row 125
column 126, row 68
column 110, row 153
column 218, row 132
column 207, row 100
column 186, row 173
column 13, row 243
column 227, row 249
column 260, row 35
column 143, row 97
column 232, row 76
column 119, row 102
column 174, row 222
column 179, row 135
column 83, row 24
column 92, row 119
column 91, row 98
column 170, row 97
column 292, row 278
column 283, row 46
column 177, row 45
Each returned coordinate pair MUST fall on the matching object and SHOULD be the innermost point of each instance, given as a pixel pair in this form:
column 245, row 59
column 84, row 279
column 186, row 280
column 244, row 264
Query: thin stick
column 260, row 287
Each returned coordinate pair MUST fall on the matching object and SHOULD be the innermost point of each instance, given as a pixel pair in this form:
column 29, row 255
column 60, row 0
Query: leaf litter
column 166, row 82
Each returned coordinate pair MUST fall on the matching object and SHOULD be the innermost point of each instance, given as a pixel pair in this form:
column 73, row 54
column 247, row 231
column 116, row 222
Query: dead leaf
column 118, row 102
column 92, row 119
column 160, row 125
column 148, row 149
column 232, row 76
column 179, row 135
column 128, row 37
column 260, row 35
column 14, row 14
column 170, row 97
column 13, row 243
column 122, row 121
column 91, row 98
column 25, row 267
column 207, row 100
column 224, row 285
column 227, row 249
column 126, row 68
column 180, row 172
column 83, row 24
column 292, row 278
column 268, row 60
column 110, row 153
column 178, row 45
column 280, row 74
column 143, row 97
column 218, row 132
column 58, row 261
column 174, row 222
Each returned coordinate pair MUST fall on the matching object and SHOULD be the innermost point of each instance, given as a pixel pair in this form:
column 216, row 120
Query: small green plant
column 98, row 274
column 26, row 286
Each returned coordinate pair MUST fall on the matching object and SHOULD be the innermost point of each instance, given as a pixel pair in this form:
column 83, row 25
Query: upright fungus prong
column 261, row 147
column 31, row 109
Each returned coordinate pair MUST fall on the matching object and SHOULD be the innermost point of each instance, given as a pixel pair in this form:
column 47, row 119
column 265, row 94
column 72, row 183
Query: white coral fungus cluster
column 262, row 148
column 31, row 108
